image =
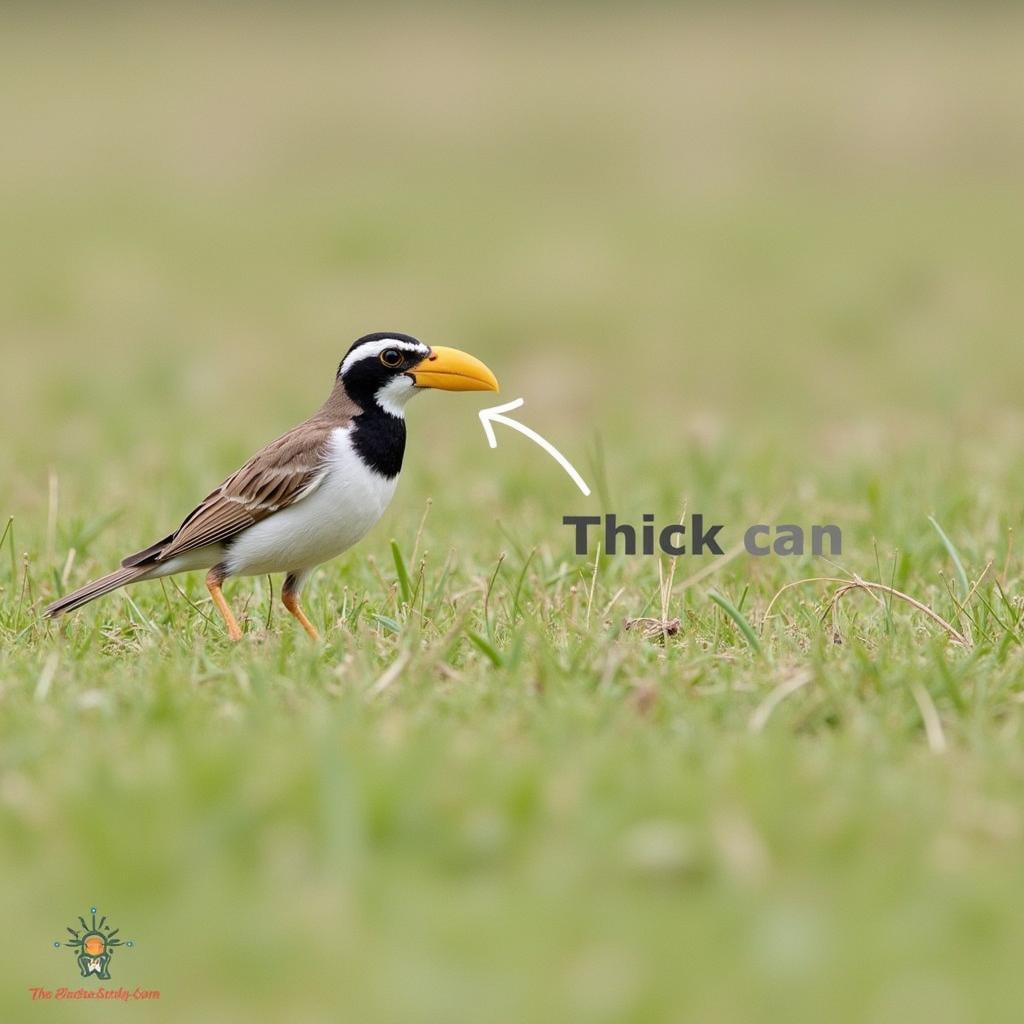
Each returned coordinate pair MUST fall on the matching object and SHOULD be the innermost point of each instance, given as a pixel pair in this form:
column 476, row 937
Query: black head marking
column 379, row 440
column 377, row 359
column 369, row 339
column 378, row 434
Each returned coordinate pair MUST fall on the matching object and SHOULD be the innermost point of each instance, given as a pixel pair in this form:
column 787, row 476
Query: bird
column 313, row 492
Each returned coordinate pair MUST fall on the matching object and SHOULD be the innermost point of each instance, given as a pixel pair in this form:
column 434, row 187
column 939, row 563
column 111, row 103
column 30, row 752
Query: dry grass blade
column 716, row 566
column 800, row 583
column 46, row 677
column 419, row 531
column 870, row 588
column 930, row 716
column 665, row 586
column 654, row 629
column 593, row 584
column 759, row 719
column 390, row 674
column 859, row 584
column 977, row 583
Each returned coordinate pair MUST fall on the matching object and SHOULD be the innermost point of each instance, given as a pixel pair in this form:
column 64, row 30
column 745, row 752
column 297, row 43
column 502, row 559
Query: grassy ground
column 766, row 267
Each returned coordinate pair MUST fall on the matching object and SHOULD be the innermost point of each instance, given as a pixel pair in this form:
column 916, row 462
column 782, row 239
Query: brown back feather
column 285, row 471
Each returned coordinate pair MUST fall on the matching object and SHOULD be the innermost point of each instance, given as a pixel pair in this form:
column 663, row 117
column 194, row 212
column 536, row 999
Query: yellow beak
column 452, row 370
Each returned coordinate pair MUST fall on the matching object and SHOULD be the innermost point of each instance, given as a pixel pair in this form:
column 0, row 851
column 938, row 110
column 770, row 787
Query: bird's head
column 388, row 369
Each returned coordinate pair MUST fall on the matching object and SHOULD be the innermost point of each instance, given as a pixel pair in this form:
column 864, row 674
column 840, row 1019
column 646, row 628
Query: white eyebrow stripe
column 374, row 348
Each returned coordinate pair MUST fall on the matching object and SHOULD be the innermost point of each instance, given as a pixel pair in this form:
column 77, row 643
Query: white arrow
column 488, row 417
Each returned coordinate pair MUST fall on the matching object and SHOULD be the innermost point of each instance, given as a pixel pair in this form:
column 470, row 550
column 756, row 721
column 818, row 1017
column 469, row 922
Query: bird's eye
column 391, row 357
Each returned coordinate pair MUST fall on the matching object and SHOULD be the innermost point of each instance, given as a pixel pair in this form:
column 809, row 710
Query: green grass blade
column 485, row 647
column 388, row 623
column 404, row 583
column 737, row 616
column 9, row 532
column 519, row 586
column 961, row 574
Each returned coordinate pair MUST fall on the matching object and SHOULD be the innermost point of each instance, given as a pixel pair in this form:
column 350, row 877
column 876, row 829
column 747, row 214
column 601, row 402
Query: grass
column 767, row 297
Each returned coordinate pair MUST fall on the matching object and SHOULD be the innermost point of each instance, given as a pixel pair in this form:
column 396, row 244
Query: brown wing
column 274, row 478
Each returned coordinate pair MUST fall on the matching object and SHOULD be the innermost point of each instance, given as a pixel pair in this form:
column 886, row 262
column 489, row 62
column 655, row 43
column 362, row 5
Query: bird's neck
column 377, row 436
column 340, row 407
column 379, row 439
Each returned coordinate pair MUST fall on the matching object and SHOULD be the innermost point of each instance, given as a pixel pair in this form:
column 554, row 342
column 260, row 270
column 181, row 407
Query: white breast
column 338, row 512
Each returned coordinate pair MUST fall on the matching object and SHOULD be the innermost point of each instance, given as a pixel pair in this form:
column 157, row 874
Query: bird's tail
column 104, row 585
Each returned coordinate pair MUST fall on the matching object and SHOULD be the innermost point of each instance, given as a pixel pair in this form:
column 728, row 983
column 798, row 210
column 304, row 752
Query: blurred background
column 670, row 219
column 757, row 256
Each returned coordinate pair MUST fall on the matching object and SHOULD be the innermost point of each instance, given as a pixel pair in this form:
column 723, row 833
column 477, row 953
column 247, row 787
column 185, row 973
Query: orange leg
column 213, row 582
column 290, row 599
